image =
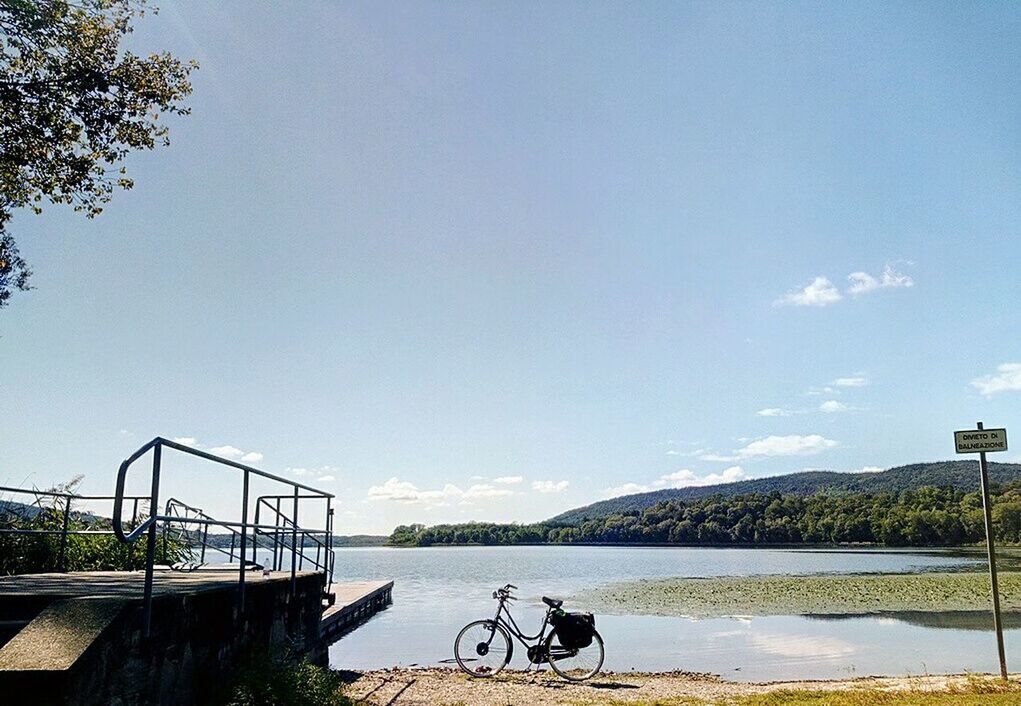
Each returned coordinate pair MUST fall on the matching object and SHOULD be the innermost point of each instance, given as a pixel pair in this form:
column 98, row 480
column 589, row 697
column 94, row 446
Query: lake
column 438, row 590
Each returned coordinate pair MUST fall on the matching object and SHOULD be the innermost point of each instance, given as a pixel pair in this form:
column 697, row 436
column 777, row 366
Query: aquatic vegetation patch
column 804, row 595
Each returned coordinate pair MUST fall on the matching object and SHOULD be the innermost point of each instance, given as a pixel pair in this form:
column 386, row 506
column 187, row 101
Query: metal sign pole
column 987, row 510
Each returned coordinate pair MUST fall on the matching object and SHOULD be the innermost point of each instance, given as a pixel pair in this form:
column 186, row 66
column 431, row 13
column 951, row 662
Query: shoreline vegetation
column 923, row 517
column 841, row 594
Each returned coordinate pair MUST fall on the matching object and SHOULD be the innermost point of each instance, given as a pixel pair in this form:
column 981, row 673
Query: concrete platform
column 128, row 584
column 356, row 602
column 80, row 640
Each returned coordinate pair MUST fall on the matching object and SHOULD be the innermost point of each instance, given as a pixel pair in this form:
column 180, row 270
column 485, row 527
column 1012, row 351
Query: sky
column 462, row 261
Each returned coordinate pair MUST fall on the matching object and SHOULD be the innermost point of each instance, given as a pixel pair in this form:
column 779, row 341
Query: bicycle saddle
column 552, row 602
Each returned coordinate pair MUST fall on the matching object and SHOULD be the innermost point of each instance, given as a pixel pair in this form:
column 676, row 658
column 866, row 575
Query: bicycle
column 484, row 647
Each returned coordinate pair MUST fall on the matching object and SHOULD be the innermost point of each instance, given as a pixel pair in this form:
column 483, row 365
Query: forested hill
column 961, row 475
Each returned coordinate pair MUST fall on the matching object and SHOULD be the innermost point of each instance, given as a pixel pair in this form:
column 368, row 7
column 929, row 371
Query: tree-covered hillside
column 962, row 475
column 926, row 516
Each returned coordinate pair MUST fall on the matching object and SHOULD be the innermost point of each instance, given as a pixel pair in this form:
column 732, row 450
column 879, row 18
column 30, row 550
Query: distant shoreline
column 724, row 545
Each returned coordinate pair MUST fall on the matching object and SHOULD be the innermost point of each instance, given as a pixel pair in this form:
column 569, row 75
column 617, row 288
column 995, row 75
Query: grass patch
column 880, row 698
column 265, row 683
column 801, row 595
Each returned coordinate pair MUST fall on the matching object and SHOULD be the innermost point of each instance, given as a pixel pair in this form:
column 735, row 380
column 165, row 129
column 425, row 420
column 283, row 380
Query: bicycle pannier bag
column 575, row 630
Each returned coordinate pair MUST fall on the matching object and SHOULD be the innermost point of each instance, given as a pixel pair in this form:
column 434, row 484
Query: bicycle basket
column 575, row 629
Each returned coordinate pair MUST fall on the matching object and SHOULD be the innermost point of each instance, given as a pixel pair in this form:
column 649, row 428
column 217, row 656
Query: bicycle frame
column 511, row 626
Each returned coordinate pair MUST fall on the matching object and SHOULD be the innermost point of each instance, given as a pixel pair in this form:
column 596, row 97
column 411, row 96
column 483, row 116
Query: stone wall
column 197, row 643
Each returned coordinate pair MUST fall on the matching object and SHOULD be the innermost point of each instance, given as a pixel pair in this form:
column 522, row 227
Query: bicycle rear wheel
column 578, row 663
column 482, row 648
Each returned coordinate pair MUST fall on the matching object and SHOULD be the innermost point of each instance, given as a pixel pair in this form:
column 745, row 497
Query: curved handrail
column 118, row 500
column 122, row 472
column 149, row 524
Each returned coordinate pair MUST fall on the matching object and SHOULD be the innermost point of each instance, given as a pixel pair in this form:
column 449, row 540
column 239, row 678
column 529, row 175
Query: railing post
column 255, row 533
column 129, row 545
column 294, row 543
column 244, row 539
column 329, row 543
column 277, row 548
column 62, row 556
column 150, row 544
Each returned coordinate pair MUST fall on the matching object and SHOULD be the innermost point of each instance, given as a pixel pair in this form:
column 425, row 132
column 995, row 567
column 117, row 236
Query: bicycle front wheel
column 575, row 663
column 482, row 648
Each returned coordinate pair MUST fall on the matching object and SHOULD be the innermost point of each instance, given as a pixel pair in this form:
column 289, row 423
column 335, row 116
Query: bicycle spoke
column 482, row 649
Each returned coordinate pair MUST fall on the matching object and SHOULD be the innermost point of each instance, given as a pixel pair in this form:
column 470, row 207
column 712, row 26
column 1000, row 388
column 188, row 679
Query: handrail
column 323, row 548
column 149, row 524
column 160, row 441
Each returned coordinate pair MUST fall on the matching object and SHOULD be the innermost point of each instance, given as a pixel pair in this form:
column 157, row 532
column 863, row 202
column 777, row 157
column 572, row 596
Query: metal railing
column 323, row 560
column 63, row 505
column 155, row 521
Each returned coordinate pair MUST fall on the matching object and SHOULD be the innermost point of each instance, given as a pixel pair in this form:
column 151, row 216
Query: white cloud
column 404, row 492
column 832, row 406
column 858, row 380
column 549, row 486
column 227, row 451
column 683, row 478
column 863, row 282
column 869, row 469
column 626, row 489
column 1006, row 379
column 825, row 649
column 508, row 480
column 774, row 412
column 791, row 445
column 820, row 292
column 322, row 474
column 486, row 491
column 400, row 491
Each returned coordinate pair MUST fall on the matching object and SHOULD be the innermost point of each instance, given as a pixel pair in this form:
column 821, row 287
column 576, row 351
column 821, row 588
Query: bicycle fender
column 510, row 640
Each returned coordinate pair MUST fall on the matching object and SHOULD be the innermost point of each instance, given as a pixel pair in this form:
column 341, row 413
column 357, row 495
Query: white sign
column 973, row 441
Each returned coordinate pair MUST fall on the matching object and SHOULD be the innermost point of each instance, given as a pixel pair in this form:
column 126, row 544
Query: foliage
column 35, row 553
column 962, row 475
column 927, row 516
column 265, row 683
column 73, row 104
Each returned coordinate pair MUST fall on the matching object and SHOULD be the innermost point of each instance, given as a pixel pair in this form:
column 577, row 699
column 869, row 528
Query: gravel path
column 447, row 687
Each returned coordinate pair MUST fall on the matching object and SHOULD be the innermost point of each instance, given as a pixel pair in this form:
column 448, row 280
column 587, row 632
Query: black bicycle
column 573, row 648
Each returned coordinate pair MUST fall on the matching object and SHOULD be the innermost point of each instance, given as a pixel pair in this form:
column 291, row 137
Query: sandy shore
column 448, row 687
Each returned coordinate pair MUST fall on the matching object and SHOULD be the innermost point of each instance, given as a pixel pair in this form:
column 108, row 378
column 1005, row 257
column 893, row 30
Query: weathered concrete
column 60, row 634
column 85, row 646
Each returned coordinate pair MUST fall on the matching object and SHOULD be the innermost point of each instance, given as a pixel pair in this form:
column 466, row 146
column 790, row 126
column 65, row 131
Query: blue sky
column 491, row 261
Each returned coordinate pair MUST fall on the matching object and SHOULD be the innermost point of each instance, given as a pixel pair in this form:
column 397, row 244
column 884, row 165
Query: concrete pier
column 356, row 602
column 75, row 638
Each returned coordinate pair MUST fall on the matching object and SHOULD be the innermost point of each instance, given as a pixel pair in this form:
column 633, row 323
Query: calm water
column 437, row 591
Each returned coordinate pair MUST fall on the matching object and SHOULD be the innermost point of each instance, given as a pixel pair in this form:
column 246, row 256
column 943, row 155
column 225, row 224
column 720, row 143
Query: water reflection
column 951, row 620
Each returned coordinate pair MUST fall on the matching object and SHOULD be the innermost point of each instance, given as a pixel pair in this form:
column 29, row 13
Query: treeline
column 927, row 517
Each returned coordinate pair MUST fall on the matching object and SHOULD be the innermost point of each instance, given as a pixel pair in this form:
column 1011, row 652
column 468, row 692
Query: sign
column 973, row 441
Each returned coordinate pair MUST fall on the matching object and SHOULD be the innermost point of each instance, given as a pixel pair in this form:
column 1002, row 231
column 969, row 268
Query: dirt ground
column 448, row 687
